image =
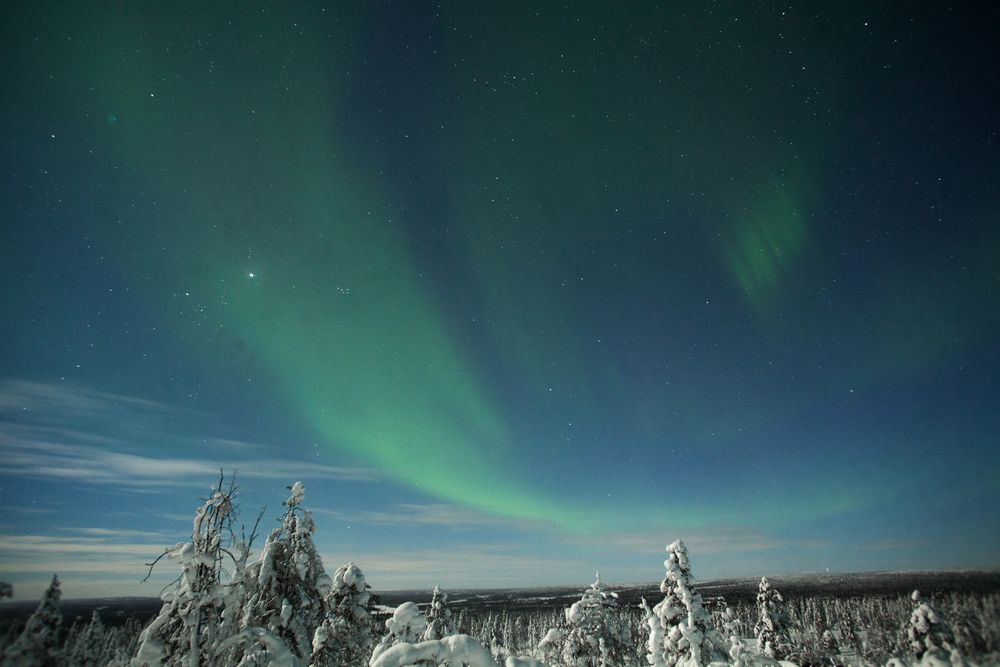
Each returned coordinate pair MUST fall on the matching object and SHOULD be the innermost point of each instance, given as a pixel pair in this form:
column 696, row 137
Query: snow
column 523, row 662
column 407, row 623
column 150, row 653
column 457, row 650
column 324, row 584
column 298, row 494
column 349, row 575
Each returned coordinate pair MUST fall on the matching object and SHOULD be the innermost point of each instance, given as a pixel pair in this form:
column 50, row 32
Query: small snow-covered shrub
column 438, row 616
column 406, row 626
column 454, row 650
column 928, row 632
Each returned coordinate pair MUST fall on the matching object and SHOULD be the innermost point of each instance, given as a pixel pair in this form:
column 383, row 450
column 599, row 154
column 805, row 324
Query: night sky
column 518, row 290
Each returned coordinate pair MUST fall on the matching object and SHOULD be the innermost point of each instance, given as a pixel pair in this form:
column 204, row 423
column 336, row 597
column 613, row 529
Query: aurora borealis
column 539, row 287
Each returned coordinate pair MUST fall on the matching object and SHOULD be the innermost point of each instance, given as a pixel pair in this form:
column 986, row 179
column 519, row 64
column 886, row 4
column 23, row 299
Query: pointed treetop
column 54, row 592
column 298, row 495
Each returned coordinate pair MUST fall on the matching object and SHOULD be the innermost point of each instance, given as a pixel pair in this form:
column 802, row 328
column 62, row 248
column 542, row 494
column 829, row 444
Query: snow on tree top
column 349, row 575
column 298, row 494
column 457, row 649
column 407, row 614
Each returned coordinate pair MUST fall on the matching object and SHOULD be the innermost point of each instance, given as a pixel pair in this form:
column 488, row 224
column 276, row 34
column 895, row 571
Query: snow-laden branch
column 456, row 650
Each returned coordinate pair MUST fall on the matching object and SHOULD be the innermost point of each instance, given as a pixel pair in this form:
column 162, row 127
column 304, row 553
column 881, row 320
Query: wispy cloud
column 97, row 562
column 69, row 400
column 115, row 533
column 31, row 546
column 73, row 434
column 32, row 454
column 703, row 541
column 430, row 514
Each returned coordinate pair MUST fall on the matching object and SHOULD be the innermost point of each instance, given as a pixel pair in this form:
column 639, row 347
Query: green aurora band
column 340, row 314
column 303, row 266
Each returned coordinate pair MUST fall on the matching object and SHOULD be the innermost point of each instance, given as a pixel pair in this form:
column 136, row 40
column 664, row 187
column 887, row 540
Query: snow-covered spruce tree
column 550, row 647
column 90, row 645
column 237, row 590
column 596, row 636
column 187, row 631
column 737, row 652
column 771, row 629
column 121, row 643
column 38, row 643
column 929, row 634
column 406, row 626
column 290, row 588
column 680, row 629
column 344, row 638
column 439, row 623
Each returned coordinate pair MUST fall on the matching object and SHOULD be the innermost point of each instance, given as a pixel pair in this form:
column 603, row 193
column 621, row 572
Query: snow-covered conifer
column 597, row 635
column 344, row 638
column 38, row 643
column 406, row 626
column 438, row 616
column 190, row 629
column 237, row 591
column 184, row 631
column 680, row 629
column 929, row 634
column 737, row 652
column 261, row 647
column 551, row 646
column 290, row 588
column 89, row 646
column 771, row 629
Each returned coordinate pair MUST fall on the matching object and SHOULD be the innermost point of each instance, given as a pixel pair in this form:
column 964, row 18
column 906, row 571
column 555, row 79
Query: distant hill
column 115, row 611
column 809, row 584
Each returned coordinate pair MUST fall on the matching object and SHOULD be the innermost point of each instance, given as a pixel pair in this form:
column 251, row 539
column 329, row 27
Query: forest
column 232, row 607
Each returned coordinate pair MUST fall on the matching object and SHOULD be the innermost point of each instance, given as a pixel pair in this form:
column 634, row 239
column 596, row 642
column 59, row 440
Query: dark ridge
column 743, row 589
column 115, row 611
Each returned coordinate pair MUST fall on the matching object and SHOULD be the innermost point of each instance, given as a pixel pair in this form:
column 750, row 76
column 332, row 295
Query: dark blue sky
column 529, row 290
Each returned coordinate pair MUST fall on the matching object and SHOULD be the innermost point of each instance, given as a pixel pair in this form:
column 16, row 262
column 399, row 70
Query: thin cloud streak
column 72, row 433
column 69, row 400
column 36, row 458
column 701, row 541
column 431, row 514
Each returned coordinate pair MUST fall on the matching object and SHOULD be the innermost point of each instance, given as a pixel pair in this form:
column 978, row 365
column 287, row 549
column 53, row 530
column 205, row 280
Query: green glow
column 337, row 315
column 335, row 312
column 766, row 242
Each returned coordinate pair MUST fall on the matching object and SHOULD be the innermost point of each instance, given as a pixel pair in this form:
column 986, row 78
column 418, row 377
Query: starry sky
column 518, row 290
